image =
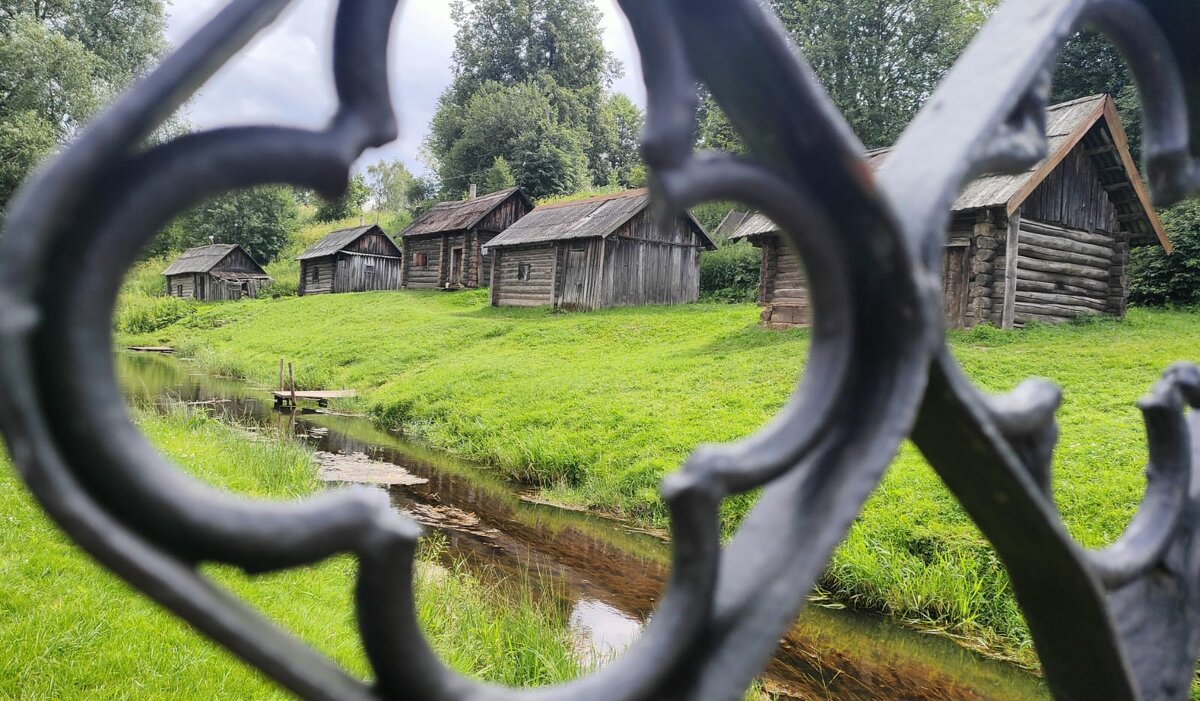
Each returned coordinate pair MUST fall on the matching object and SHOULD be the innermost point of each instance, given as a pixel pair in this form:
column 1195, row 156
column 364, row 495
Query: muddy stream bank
column 603, row 576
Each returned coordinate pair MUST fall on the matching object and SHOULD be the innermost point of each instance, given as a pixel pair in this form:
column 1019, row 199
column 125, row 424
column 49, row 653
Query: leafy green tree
column 546, row 54
column 616, row 142
column 260, row 219
column 880, row 60
column 1089, row 65
column 390, row 183
column 514, row 41
column 60, row 61
column 519, row 123
column 498, row 177
column 1158, row 279
column 346, row 206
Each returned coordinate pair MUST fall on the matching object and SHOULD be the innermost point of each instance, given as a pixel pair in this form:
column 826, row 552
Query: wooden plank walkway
column 285, row 398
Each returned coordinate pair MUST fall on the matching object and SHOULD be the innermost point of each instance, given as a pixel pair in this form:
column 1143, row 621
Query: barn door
column 955, row 284
column 574, row 294
column 341, row 277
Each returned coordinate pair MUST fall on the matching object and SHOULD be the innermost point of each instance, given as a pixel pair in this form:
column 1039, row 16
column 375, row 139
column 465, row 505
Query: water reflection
column 604, row 577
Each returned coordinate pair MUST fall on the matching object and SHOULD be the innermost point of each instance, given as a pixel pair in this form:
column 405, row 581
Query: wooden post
column 292, row 381
column 281, row 385
column 1011, row 249
column 493, row 293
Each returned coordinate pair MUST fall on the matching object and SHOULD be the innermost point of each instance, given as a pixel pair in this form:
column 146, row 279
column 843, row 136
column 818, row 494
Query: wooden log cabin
column 217, row 273
column 444, row 248
column 598, row 252
column 362, row 259
column 1047, row 245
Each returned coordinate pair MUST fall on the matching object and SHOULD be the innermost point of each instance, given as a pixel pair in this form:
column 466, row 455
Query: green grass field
column 596, row 408
column 70, row 630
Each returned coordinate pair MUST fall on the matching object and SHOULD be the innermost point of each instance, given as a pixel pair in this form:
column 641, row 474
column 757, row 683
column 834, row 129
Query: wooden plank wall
column 1064, row 273
column 648, row 264
column 374, row 243
column 364, row 273
column 538, row 290
column 504, row 216
column 323, row 284
column 1073, row 197
column 237, row 261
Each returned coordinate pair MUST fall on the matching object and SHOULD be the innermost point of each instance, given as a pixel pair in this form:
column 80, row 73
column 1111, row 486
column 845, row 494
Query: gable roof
column 1090, row 121
column 592, row 217
column 203, row 259
column 731, row 223
column 340, row 239
column 459, row 216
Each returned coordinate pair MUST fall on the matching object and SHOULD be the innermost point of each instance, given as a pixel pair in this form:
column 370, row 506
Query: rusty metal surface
column 1118, row 624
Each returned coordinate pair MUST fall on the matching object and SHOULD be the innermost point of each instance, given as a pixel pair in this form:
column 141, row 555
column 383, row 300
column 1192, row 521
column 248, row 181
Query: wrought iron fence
column 1122, row 623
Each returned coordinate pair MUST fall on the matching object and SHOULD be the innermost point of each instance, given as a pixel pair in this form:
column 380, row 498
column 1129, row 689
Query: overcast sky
column 285, row 76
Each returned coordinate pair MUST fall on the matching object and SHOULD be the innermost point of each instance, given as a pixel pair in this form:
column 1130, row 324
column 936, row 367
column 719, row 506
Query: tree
column 1158, row 279
column 546, row 55
column 880, row 60
column 60, row 61
column 260, row 219
column 346, row 206
column 1089, row 65
column 519, row 123
column 514, row 41
column 499, row 176
column 617, row 142
column 390, row 183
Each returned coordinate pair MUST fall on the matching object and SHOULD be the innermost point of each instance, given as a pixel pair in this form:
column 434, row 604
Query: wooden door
column 456, row 267
column 956, row 270
column 575, row 275
column 341, row 276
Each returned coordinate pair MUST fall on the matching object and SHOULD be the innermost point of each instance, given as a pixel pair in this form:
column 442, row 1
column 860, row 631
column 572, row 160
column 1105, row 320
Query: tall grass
column 71, row 630
column 596, row 408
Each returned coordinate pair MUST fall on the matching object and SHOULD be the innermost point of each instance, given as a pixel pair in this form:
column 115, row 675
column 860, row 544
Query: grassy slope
column 70, row 630
column 597, row 407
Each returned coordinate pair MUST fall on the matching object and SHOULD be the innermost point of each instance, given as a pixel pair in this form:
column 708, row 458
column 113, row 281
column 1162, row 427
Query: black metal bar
column 1123, row 623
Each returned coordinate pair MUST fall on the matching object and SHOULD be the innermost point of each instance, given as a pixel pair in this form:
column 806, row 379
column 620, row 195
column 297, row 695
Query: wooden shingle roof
column 1090, row 121
column 460, row 216
column 593, row 217
column 203, row 259
column 340, row 239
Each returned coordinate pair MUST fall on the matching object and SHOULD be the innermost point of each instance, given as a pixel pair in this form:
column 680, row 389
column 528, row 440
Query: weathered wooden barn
column 363, row 259
column 1049, row 244
column 216, row 273
column 443, row 248
column 599, row 252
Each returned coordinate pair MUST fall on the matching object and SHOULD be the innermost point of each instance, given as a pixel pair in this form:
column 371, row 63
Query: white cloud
column 285, row 77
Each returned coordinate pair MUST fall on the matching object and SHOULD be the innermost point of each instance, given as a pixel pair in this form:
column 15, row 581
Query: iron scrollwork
column 1117, row 624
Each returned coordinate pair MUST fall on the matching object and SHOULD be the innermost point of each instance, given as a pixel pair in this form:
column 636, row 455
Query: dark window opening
column 315, row 276
column 523, row 270
column 369, row 270
column 179, row 290
column 421, row 260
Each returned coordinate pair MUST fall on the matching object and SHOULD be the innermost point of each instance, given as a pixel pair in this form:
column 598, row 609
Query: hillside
column 595, row 408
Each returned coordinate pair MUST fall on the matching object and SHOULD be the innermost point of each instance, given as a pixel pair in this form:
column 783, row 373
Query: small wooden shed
column 216, row 273
column 1049, row 244
column 363, row 259
column 443, row 248
column 598, row 252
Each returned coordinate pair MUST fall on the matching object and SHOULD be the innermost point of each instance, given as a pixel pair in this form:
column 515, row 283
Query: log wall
column 508, row 290
column 1063, row 273
column 316, row 276
column 427, row 276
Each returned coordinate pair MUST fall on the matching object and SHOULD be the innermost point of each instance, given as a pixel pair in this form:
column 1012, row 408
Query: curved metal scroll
column 1117, row 624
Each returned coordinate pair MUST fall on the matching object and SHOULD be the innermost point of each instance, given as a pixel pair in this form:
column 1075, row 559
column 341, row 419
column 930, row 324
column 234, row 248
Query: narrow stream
column 609, row 574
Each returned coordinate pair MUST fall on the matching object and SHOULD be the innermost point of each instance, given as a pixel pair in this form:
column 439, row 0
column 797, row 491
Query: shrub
column 140, row 313
column 730, row 273
column 1158, row 279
